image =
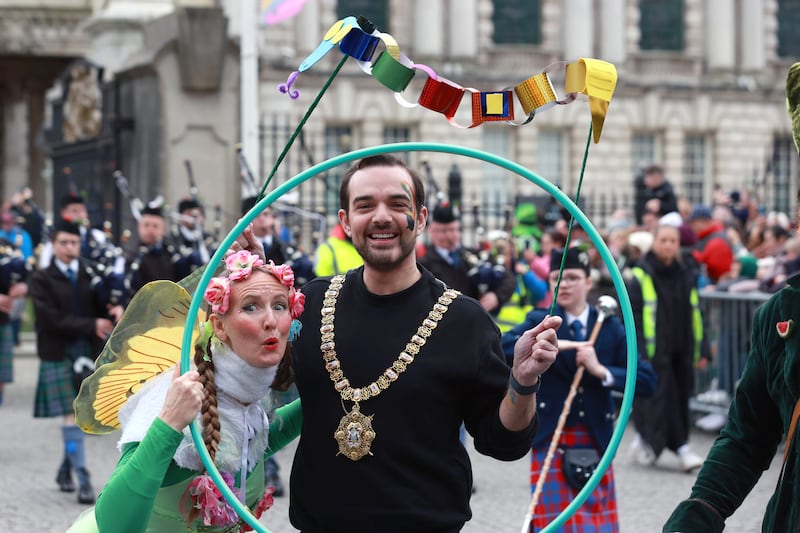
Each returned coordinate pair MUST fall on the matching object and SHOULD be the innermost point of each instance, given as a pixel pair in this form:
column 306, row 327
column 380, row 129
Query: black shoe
column 86, row 494
column 85, row 491
column 276, row 483
column 64, row 477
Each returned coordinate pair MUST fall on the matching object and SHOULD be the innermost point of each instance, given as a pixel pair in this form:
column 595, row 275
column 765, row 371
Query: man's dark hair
column 383, row 160
column 653, row 169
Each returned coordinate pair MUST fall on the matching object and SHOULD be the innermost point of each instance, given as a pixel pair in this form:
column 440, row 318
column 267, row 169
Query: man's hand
column 115, row 312
column 535, row 351
column 103, row 327
column 489, row 301
column 183, row 401
column 18, row 290
column 5, row 303
column 586, row 357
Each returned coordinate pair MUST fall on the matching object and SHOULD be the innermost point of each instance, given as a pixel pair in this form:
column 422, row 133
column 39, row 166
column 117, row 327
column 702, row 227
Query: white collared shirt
column 64, row 266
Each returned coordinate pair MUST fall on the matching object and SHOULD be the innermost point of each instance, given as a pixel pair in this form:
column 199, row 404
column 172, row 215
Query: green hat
column 526, row 214
column 749, row 266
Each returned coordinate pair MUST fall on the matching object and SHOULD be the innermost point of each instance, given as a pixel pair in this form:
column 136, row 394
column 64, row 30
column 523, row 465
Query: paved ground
column 30, row 452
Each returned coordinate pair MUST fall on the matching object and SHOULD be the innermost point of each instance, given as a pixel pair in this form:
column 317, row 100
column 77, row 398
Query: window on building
column 496, row 185
column 661, row 25
column 338, row 140
column 695, row 167
column 397, row 134
column 517, row 22
column 550, row 156
column 788, row 28
column 643, row 151
column 377, row 11
column 784, row 174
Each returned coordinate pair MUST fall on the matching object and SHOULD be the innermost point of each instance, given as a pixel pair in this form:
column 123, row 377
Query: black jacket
column 57, row 322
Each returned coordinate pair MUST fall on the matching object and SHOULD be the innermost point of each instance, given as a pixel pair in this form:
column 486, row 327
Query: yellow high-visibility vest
column 649, row 314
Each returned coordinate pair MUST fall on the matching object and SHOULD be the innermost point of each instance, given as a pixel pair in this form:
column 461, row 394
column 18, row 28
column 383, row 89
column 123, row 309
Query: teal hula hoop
column 563, row 199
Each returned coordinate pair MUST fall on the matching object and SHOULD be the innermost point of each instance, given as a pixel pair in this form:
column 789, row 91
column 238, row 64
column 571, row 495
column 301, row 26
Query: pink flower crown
column 240, row 265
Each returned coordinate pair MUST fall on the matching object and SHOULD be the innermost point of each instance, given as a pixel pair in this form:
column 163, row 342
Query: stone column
column 15, row 143
column 307, row 29
column 752, row 33
column 116, row 30
column 612, row 32
column 462, row 35
column 720, row 34
column 427, row 31
column 36, row 159
column 578, row 36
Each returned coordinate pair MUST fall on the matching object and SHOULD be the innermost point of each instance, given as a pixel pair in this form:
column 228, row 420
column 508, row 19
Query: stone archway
column 24, row 82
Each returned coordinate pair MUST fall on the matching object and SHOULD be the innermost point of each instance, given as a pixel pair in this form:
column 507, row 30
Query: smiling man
column 389, row 365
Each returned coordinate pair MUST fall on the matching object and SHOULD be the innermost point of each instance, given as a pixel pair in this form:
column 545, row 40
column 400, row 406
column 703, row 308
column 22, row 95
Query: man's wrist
column 523, row 390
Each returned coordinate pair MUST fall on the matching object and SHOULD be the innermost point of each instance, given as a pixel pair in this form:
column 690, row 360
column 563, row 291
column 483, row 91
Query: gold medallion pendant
column 355, row 434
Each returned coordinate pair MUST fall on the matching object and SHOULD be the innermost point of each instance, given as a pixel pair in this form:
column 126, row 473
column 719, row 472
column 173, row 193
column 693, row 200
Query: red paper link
column 441, row 95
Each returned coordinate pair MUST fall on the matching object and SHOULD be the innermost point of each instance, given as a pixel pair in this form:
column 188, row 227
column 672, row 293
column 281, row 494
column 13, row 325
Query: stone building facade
column 700, row 90
column 712, row 112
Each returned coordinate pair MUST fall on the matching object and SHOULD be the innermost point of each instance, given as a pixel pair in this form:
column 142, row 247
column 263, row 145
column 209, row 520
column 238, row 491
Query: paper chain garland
column 359, row 38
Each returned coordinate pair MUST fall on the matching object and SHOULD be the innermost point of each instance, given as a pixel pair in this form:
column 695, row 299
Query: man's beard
column 380, row 259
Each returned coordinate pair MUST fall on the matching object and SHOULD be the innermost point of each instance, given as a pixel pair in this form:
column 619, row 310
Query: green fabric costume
column 144, row 491
column 759, row 415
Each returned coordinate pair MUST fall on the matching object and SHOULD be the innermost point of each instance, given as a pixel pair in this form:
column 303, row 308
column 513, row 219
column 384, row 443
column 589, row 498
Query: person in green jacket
column 764, row 408
column 160, row 483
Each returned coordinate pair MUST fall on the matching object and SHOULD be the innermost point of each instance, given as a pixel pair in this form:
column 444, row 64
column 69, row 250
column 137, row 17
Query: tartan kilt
column 598, row 514
column 6, row 353
column 57, row 386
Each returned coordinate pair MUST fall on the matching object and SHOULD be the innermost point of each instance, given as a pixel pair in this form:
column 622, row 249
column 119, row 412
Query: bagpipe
column 31, row 216
column 104, row 263
column 194, row 246
column 302, row 264
column 488, row 265
column 108, row 280
column 188, row 248
column 14, row 268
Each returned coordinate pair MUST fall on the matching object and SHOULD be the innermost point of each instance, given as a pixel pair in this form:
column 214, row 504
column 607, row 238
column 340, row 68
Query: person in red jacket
column 712, row 248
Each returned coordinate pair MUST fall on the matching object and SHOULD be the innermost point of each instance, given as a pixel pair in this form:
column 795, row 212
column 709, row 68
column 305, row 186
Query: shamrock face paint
column 410, row 215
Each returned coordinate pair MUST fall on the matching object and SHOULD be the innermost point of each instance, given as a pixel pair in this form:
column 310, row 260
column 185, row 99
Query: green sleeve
column 127, row 500
column 285, row 427
column 747, row 443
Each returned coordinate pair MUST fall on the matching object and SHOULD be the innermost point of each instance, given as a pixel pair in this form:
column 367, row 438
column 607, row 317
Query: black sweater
column 419, row 477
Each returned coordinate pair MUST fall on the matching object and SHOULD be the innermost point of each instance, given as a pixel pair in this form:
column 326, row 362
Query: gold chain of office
column 354, row 433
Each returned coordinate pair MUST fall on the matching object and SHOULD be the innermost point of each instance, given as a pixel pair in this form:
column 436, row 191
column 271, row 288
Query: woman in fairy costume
column 160, row 483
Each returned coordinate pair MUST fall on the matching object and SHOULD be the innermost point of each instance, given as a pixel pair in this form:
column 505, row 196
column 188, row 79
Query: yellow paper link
column 597, row 79
column 390, row 43
column 535, row 92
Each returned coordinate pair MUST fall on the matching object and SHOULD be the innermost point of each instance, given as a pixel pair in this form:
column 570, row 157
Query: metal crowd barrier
column 728, row 318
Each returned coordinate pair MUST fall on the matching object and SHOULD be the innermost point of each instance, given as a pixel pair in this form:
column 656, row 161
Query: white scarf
column 242, row 398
